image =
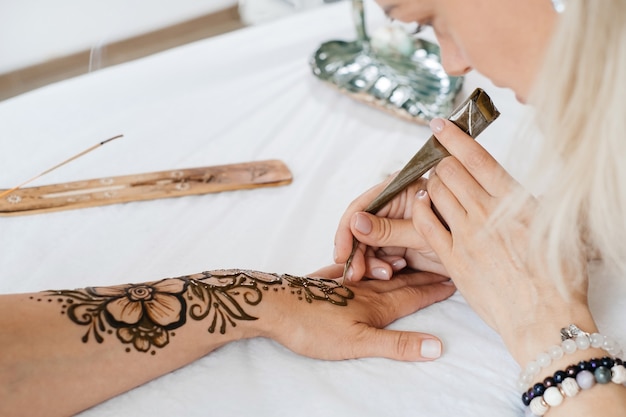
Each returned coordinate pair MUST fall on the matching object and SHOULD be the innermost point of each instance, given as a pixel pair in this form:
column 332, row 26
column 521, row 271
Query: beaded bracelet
column 552, row 391
column 572, row 339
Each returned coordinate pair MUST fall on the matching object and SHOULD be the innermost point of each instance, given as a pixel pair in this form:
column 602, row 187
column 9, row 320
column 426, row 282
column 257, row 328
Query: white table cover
column 247, row 95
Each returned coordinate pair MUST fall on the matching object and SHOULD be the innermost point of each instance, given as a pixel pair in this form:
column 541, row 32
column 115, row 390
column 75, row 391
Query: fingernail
column 436, row 125
column 431, row 349
column 448, row 282
column 421, row 194
column 398, row 264
column 363, row 224
column 380, row 273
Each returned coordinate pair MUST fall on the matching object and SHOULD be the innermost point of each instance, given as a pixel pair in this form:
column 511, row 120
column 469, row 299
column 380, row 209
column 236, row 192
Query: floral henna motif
column 319, row 289
column 144, row 315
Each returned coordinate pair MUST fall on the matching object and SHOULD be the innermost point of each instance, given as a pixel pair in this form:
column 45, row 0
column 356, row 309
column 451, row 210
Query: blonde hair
column 579, row 102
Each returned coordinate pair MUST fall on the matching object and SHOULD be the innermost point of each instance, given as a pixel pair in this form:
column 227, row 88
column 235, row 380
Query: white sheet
column 247, row 95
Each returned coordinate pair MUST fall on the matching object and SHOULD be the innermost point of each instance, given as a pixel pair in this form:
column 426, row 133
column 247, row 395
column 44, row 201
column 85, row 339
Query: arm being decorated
column 77, row 348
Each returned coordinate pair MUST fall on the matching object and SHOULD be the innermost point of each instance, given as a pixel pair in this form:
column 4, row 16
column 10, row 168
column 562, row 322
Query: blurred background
column 44, row 41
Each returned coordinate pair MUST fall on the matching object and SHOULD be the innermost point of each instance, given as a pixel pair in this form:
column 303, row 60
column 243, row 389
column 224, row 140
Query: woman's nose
column 453, row 61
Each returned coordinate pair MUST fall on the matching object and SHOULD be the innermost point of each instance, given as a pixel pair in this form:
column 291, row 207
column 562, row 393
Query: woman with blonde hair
column 522, row 262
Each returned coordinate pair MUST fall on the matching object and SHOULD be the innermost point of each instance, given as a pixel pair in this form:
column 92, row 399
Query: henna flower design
column 143, row 313
column 143, row 338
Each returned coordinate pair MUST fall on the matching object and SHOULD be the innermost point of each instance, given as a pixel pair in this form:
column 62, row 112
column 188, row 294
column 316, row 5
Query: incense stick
column 78, row 155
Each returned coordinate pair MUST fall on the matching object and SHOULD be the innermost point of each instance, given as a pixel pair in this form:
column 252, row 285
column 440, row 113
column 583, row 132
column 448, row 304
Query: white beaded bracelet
column 569, row 382
column 572, row 339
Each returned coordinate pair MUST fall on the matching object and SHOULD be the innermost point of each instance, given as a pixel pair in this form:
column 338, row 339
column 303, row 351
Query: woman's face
column 502, row 39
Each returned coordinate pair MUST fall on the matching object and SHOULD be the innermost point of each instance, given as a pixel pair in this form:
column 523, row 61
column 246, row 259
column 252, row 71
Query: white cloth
column 247, row 95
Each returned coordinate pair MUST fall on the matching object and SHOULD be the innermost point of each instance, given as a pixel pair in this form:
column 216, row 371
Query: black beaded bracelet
column 567, row 383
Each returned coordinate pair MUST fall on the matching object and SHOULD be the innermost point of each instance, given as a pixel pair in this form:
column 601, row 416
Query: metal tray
column 414, row 87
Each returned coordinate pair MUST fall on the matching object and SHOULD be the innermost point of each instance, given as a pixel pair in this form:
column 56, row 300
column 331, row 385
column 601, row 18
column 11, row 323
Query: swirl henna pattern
column 145, row 315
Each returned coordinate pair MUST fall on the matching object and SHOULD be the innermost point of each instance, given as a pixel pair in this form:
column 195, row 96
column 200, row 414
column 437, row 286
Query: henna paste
column 145, row 315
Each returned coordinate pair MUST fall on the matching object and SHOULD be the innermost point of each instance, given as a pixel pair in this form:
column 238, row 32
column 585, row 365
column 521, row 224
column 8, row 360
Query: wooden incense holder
column 148, row 186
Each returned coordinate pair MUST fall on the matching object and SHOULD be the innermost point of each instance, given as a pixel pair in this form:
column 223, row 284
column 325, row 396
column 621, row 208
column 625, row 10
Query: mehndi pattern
column 144, row 316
